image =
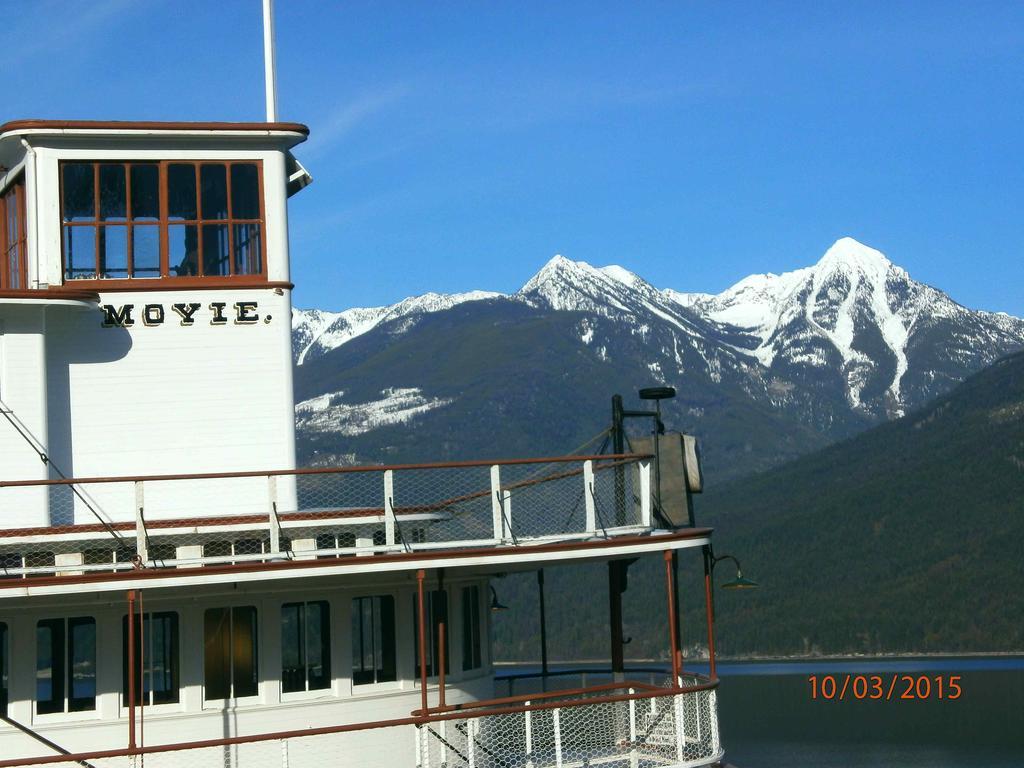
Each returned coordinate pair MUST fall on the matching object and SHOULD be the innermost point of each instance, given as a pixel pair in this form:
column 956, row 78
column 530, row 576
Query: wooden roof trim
column 149, row 125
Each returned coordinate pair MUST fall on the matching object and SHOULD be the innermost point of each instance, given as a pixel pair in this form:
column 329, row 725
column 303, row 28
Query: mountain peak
column 847, row 253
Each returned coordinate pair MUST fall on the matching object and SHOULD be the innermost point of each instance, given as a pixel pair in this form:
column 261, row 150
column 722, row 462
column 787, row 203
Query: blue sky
column 460, row 145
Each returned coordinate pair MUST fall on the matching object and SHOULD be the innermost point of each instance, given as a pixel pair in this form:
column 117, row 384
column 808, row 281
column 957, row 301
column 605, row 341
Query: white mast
column 268, row 60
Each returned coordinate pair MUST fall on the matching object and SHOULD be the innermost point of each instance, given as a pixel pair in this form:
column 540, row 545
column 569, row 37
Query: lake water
column 769, row 718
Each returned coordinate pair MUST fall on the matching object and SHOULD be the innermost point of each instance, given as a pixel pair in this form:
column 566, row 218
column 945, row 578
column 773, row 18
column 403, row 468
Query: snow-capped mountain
column 315, row 332
column 775, row 364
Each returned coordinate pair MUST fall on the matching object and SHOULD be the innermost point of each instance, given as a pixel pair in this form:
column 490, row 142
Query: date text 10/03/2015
column 894, row 687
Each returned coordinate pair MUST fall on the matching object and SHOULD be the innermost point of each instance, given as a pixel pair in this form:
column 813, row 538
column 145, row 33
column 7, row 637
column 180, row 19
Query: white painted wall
column 195, row 719
column 157, row 399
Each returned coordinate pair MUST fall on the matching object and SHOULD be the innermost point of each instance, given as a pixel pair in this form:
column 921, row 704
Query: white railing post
column 141, row 548
column 716, row 742
column 444, row 740
column 528, row 725
column 633, row 762
column 557, row 723
column 496, row 504
column 275, row 524
column 588, row 495
column 284, row 753
column 389, row 507
column 645, row 494
column 471, row 726
column 680, row 731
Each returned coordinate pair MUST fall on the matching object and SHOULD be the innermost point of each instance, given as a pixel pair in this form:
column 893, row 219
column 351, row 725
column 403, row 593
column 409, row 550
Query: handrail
column 320, row 470
column 581, row 671
column 349, row 727
column 65, row 754
column 527, row 697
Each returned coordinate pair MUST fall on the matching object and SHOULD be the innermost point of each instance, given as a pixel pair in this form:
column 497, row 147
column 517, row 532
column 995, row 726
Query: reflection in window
column 230, row 665
column 471, row 658
column 65, row 665
column 373, row 640
column 166, row 219
column 305, row 647
column 437, row 611
column 12, row 237
column 156, row 658
column 4, row 666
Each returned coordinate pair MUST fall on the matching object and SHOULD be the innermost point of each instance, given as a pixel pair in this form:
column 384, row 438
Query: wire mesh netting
column 677, row 730
column 119, row 525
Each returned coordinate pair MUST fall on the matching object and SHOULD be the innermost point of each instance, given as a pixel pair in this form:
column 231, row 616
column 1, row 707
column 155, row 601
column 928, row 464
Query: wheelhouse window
column 471, row 656
column 12, row 237
column 168, row 219
column 230, row 665
column 437, row 611
column 156, row 658
column 373, row 640
column 65, row 665
column 305, row 647
column 5, row 664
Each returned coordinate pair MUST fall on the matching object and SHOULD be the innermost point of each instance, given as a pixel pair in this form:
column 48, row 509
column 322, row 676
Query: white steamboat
column 175, row 590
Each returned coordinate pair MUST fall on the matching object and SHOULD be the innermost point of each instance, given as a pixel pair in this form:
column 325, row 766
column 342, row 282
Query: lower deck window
column 373, row 640
column 65, row 665
column 4, row 666
column 305, row 647
column 471, row 657
column 230, row 663
column 156, row 658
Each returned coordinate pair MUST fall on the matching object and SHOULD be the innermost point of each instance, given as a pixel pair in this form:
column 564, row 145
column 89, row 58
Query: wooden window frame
column 166, row 280
column 15, row 190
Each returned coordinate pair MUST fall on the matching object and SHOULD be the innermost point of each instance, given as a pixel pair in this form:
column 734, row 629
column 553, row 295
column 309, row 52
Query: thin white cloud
column 56, row 25
column 346, row 118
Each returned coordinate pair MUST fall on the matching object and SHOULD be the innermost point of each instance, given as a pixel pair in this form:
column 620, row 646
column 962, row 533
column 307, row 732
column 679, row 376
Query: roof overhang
column 287, row 134
column 486, row 560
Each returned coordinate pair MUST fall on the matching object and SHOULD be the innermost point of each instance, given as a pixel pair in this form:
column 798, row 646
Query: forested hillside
column 906, row 538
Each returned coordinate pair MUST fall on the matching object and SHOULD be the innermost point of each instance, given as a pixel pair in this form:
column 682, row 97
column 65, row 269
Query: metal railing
column 629, row 724
column 117, row 524
column 640, row 726
column 521, row 683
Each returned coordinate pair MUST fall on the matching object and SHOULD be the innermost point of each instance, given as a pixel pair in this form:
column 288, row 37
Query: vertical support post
column 471, row 726
column 141, row 684
column 284, row 753
column 141, row 546
column 528, row 726
column 496, row 504
column 543, row 630
column 673, row 640
column 645, row 494
column 389, row 507
column 616, row 572
column 421, row 576
column 440, row 664
column 131, row 669
column 677, row 703
column 619, row 447
column 632, row 730
column 557, row 723
column 444, row 741
column 275, row 524
column 269, row 64
column 588, row 495
column 709, row 609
